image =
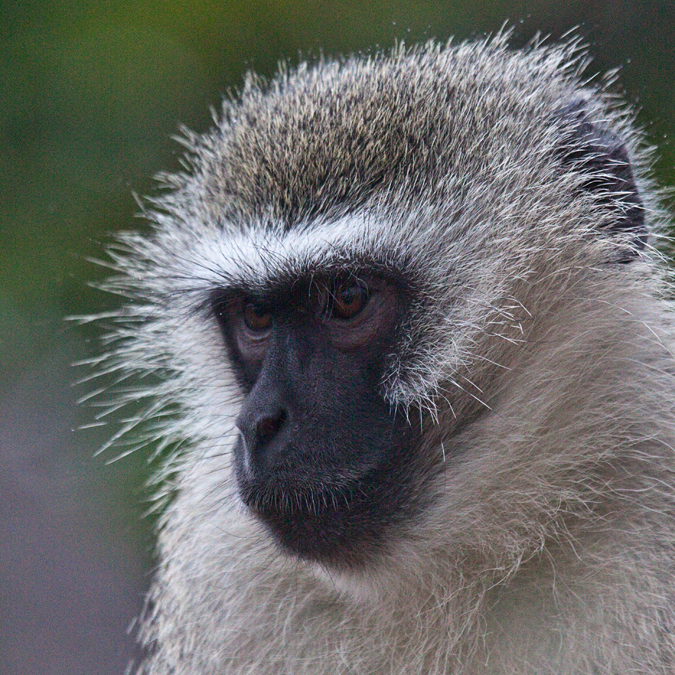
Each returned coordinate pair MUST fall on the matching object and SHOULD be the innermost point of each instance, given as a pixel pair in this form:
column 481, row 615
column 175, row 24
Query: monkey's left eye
column 348, row 299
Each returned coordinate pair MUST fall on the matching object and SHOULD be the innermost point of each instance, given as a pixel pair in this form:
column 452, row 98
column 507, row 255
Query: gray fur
column 539, row 366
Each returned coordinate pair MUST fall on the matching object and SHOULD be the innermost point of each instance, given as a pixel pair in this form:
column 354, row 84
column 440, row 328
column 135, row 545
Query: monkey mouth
column 339, row 526
column 330, row 508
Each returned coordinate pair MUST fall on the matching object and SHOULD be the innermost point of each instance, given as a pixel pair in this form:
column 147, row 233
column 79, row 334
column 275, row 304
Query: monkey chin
column 325, row 527
column 342, row 528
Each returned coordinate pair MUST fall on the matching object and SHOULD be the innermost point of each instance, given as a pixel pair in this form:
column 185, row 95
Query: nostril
column 268, row 426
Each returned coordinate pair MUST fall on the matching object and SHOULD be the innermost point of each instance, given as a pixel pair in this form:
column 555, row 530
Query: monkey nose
column 259, row 430
column 268, row 426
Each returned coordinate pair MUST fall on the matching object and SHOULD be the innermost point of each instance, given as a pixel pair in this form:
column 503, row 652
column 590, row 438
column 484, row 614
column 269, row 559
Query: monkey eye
column 348, row 299
column 256, row 318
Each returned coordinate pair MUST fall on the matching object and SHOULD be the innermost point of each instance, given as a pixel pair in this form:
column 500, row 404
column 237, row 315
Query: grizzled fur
column 536, row 358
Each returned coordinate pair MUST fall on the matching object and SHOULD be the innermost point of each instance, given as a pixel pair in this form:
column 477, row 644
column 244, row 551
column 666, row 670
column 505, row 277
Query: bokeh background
column 91, row 92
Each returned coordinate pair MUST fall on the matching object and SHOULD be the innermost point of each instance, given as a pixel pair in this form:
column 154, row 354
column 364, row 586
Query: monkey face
column 322, row 458
column 456, row 236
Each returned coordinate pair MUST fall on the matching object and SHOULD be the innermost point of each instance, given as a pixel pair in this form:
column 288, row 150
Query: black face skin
column 322, row 459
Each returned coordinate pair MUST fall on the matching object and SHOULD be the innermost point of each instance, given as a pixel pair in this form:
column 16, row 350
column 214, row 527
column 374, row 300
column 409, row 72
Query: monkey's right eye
column 246, row 325
column 250, row 326
column 256, row 318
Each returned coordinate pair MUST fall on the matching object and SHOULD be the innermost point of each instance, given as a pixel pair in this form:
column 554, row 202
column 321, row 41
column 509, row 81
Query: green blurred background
column 91, row 92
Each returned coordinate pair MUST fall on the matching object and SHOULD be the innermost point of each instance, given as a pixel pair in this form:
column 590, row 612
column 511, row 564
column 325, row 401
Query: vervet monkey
column 404, row 322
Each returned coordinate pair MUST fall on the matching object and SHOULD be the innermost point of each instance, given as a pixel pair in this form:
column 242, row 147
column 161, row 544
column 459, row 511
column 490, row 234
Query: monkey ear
column 599, row 153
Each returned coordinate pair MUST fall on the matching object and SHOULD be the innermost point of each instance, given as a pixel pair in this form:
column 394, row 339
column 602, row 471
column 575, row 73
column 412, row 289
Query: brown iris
column 349, row 298
column 256, row 319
